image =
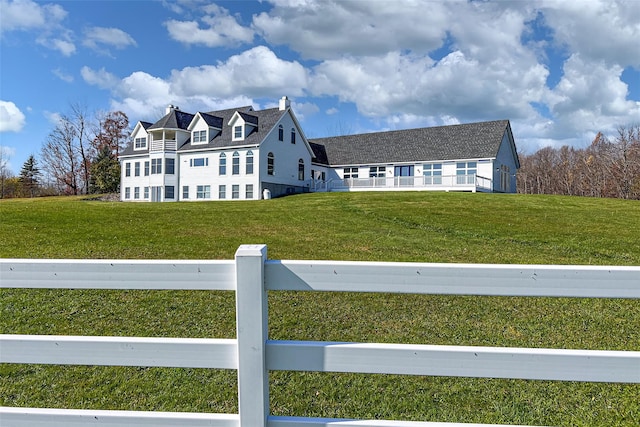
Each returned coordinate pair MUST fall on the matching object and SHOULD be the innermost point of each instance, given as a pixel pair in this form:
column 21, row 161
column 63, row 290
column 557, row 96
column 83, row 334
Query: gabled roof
column 211, row 120
column 466, row 141
column 264, row 120
column 176, row 119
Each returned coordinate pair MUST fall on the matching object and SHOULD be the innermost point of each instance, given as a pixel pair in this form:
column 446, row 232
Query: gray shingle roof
column 176, row 119
column 264, row 119
column 211, row 120
column 466, row 141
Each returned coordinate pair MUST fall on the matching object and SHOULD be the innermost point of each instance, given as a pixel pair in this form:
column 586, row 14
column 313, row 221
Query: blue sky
column 561, row 71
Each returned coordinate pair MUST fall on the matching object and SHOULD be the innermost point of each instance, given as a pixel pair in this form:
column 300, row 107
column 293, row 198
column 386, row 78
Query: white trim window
column 235, row 163
column 156, row 166
column 349, row 173
column 249, row 163
column 235, row 191
column 238, row 133
column 199, row 137
column 222, row 191
column 127, row 169
column 248, row 194
column 222, row 169
column 466, row 173
column 432, row 173
column 199, row 162
column 271, row 163
column 377, row 171
column 140, row 143
column 185, row 191
column 203, row 192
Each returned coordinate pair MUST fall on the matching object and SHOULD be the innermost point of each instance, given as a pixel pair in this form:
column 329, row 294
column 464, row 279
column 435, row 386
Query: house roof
column 211, row 120
column 176, row 119
column 465, row 141
column 264, row 120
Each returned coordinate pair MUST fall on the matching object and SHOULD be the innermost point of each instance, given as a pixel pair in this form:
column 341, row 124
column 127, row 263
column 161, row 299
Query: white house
column 242, row 153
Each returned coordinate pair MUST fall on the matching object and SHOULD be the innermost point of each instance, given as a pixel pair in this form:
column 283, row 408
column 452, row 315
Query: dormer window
column 140, row 143
column 199, row 136
column 237, row 133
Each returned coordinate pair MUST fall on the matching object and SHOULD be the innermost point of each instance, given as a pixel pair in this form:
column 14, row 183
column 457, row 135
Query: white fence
column 253, row 355
column 470, row 182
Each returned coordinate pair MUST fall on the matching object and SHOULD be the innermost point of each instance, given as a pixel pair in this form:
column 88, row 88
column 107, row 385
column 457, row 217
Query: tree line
column 606, row 168
column 79, row 156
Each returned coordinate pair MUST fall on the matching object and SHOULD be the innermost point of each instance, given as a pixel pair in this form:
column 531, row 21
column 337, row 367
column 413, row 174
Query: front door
column 403, row 175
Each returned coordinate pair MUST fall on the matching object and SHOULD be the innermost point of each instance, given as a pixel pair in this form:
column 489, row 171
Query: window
column 146, row 193
column 185, row 191
column 249, row 163
column 170, row 166
column 136, row 169
column 300, row 170
column 504, row 178
column 168, row 192
column 235, row 191
column 223, row 164
column 127, row 193
column 466, row 172
column 293, row 136
column 280, row 133
column 350, row 173
column 222, row 192
column 270, row 164
column 237, row 132
column 248, row 194
column 136, row 192
column 200, row 136
column 235, row 164
column 127, row 169
column 146, row 168
column 156, row 166
column 377, row 171
column 199, row 162
column 140, row 143
column 432, row 173
column 203, row 192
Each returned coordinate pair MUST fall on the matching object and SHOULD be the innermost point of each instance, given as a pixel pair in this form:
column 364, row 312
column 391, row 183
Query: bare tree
column 5, row 173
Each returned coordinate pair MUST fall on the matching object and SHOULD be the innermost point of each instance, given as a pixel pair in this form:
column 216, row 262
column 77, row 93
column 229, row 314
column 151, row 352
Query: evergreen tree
column 105, row 172
column 29, row 176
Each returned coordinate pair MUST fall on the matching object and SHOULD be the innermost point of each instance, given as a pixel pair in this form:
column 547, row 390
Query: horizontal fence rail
column 252, row 354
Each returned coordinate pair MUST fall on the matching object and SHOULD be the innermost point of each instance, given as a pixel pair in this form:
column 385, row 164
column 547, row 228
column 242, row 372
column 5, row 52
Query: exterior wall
column 192, row 176
column 133, row 185
column 286, row 160
column 506, row 158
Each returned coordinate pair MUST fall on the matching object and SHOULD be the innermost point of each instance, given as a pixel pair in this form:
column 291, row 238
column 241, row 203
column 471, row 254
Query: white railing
column 164, row 145
column 446, row 182
column 252, row 354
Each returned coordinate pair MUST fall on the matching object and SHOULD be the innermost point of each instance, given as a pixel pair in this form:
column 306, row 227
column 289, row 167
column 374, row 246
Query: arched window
column 280, row 133
column 223, row 164
column 270, row 164
column 249, row 163
column 301, row 170
column 293, row 136
column 235, row 164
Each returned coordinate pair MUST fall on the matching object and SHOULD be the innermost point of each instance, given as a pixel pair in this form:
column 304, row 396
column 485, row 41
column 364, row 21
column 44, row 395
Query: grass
column 423, row 227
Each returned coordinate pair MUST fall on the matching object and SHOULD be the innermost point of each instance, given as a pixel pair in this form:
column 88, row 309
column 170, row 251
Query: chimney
column 170, row 108
column 284, row 103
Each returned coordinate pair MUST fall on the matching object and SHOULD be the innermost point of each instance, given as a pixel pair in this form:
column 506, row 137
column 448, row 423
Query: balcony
column 163, row 145
column 470, row 182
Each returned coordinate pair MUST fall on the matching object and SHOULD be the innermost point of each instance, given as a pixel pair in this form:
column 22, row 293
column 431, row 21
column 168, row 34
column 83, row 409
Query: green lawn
column 421, row 227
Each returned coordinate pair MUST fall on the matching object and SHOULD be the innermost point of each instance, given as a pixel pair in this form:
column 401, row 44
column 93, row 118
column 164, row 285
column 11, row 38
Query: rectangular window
column 237, row 132
column 203, row 192
column 199, row 162
column 146, row 168
column 432, row 173
column 350, row 173
column 136, row 169
column 168, row 192
column 235, row 191
column 200, row 136
column 249, row 165
column 185, row 191
column 170, row 166
column 146, row 193
column 136, row 192
column 235, row 164
column 293, row 136
column 140, row 143
column 466, row 172
column 127, row 193
column 377, row 171
column 222, row 168
column 156, row 166
column 248, row 194
column 222, row 192
column 127, row 169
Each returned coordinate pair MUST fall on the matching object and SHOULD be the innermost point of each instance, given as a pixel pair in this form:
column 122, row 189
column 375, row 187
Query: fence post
column 252, row 334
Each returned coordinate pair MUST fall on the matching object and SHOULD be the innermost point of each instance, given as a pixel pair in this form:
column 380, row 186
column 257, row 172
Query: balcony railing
column 460, row 182
column 164, row 145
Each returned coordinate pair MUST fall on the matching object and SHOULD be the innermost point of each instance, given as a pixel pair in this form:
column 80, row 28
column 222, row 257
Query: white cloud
column 27, row 15
column 11, row 118
column 101, row 78
column 98, row 37
column 65, row 77
column 53, row 118
column 257, row 72
column 220, row 29
column 304, row 109
column 331, row 29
